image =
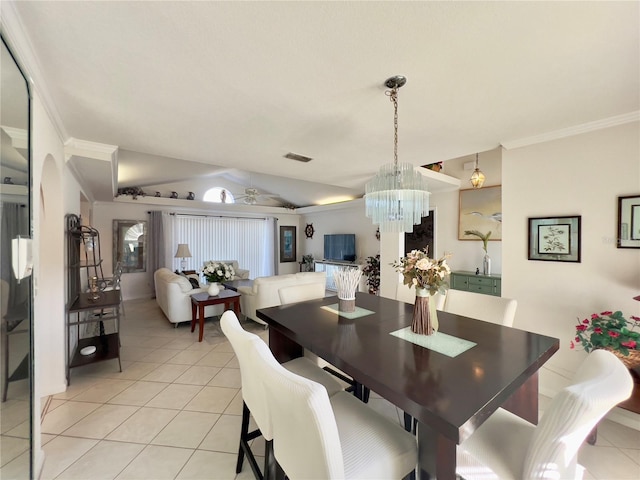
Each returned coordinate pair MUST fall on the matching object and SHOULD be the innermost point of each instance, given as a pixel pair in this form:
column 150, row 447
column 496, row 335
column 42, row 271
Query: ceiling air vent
column 298, row 158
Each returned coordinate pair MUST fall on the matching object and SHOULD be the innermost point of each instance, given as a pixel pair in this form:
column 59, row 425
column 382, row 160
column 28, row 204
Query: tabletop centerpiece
column 371, row 270
column 428, row 276
column 347, row 281
column 613, row 332
column 216, row 272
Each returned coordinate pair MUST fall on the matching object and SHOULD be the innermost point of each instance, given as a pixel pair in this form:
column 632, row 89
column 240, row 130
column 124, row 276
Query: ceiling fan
column 251, row 194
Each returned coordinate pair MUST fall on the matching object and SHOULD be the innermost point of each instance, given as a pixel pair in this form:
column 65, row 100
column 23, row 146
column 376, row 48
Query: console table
column 470, row 282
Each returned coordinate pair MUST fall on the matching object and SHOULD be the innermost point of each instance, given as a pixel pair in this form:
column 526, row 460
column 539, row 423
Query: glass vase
column 425, row 317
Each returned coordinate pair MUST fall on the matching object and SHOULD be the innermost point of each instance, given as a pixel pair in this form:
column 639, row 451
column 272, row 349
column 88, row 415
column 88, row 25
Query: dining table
column 450, row 382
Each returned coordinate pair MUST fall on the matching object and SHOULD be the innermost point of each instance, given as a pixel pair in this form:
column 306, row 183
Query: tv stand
column 330, row 266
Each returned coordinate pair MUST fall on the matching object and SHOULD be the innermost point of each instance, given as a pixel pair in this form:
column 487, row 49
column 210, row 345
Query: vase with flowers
column 611, row 331
column 216, row 272
column 428, row 276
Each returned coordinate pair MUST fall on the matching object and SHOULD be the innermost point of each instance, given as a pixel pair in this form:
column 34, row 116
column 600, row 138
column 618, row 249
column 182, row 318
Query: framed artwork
column 287, row 244
column 480, row 209
column 629, row 222
column 130, row 245
column 555, row 239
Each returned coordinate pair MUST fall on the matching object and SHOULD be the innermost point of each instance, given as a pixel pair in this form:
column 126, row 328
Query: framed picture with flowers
column 555, row 239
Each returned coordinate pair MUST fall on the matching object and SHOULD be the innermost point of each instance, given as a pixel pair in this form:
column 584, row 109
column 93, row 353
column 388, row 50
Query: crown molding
column 85, row 148
column 575, row 130
column 19, row 136
column 16, row 36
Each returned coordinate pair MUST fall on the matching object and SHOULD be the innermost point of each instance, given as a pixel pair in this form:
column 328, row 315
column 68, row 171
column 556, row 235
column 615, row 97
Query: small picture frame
column 629, row 222
column 555, row 239
column 287, row 244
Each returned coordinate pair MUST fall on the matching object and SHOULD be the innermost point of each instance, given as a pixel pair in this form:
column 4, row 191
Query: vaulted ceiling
column 226, row 89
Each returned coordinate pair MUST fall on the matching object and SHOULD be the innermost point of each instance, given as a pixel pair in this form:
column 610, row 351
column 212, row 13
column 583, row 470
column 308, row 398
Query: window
column 218, row 195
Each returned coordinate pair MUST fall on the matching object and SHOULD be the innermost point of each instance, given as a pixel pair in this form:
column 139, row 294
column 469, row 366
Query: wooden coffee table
column 201, row 300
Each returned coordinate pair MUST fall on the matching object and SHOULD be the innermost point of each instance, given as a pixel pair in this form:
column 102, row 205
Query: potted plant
column 611, row 331
column 307, row 263
column 371, row 270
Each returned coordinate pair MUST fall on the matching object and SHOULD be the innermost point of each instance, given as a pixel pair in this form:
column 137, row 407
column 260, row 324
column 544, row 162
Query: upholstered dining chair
column 508, row 447
column 320, row 437
column 254, row 403
column 489, row 308
column 302, row 293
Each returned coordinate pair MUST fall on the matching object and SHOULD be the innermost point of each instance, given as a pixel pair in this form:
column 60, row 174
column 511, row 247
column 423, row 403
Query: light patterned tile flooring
column 174, row 411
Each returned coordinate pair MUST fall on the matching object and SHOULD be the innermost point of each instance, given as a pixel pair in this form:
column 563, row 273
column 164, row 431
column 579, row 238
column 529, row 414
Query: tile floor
column 174, row 411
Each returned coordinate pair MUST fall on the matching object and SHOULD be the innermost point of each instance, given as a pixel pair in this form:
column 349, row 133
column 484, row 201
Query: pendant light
column 397, row 198
column 477, row 178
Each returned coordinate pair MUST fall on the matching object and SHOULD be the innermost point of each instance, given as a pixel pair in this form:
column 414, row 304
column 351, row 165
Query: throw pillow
column 194, row 282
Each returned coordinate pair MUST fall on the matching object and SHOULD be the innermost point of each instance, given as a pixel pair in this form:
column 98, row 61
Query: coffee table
column 235, row 284
column 201, row 300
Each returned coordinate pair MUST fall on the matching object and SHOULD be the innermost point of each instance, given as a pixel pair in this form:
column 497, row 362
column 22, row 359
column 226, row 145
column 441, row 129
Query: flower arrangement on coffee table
column 216, row 272
column 611, row 331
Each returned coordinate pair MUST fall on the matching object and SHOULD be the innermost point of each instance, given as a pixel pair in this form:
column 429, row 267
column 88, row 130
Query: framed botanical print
column 287, row 244
column 555, row 239
column 629, row 222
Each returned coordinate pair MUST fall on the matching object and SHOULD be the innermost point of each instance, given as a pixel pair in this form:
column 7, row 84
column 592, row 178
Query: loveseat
column 173, row 294
column 264, row 292
column 241, row 274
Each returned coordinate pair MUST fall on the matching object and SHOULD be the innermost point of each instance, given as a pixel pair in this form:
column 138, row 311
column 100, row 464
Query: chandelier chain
column 393, row 94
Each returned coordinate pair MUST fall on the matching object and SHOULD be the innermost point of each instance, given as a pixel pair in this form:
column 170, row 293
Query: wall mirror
column 15, row 295
column 130, row 245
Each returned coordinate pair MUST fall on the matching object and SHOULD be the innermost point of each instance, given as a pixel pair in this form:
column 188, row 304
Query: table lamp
column 184, row 253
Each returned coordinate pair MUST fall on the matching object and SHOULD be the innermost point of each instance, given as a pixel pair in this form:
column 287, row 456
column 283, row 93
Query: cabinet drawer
column 486, row 289
column 481, row 281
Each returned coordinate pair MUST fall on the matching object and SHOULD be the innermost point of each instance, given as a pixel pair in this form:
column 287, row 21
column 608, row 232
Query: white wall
column 580, row 175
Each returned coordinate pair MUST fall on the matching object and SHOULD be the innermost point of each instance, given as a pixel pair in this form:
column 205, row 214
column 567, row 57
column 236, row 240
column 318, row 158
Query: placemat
column 359, row 311
column 438, row 342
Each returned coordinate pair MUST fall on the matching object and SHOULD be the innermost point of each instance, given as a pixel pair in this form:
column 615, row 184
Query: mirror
column 15, row 295
column 130, row 245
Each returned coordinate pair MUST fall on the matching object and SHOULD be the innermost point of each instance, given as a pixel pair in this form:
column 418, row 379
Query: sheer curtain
column 250, row 241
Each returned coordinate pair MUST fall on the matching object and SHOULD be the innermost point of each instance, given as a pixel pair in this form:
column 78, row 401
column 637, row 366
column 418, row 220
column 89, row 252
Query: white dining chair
column 302, row 293
column 254, row 402
column 508, row 447
column 489, row 308
column 320, row 437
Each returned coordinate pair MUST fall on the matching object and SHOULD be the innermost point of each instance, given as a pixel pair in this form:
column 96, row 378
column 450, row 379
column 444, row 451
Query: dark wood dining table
column 449, row 396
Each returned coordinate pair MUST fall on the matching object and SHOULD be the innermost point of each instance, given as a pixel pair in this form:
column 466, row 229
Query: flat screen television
column 340, row 247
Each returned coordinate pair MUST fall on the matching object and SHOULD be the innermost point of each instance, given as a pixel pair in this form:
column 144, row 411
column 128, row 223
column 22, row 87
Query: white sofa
column 241, row 274
column 264, row 292
column 173, row 294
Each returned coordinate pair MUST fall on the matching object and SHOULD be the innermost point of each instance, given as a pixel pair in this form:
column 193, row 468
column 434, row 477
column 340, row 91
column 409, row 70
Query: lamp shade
column 183, row 251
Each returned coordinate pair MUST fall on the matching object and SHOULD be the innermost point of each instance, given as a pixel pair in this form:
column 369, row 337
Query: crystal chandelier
column 477, row 178
column 397, row 197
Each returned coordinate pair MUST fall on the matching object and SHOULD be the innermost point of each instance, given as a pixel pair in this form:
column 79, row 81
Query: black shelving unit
column 83, row 307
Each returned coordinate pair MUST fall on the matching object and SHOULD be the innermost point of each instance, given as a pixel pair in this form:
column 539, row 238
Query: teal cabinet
column 470, row 282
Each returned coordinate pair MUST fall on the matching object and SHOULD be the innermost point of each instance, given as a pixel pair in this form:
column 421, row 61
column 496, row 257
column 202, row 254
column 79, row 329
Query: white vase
column 213, row 290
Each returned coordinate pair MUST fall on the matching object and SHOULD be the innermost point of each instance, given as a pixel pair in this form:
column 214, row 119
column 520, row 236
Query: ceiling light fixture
column 397, row 197
column 477, row 178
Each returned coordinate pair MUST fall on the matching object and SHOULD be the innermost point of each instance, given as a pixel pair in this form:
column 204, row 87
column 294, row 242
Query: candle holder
column 94, row 291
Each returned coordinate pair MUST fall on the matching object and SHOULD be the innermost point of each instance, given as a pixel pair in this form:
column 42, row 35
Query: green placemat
column 438, row 342
column 359, row 311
